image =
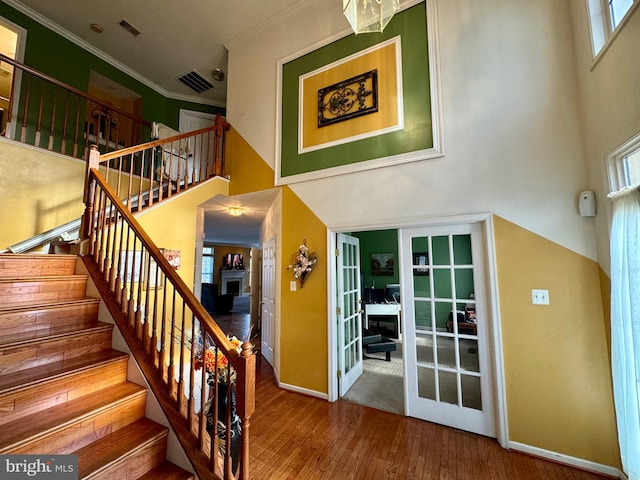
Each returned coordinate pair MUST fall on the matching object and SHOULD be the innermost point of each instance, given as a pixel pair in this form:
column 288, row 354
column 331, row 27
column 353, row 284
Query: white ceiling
column 222, row 228
column 176, row 36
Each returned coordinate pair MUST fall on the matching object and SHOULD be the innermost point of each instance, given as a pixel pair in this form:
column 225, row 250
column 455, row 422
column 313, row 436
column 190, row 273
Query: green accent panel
column 417, row 134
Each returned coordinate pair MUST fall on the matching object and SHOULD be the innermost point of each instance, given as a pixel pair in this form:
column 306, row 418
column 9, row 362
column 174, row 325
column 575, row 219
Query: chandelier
column 367, row 16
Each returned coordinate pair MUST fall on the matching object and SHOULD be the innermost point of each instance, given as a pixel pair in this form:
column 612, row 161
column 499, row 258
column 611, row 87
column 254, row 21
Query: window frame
column 213, row 263
column 616, row 163
column 601, row 28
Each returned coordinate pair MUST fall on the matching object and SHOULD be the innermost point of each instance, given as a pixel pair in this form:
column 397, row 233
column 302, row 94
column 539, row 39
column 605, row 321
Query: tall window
column 625, row 290
column 606, row 17
column 207, row 264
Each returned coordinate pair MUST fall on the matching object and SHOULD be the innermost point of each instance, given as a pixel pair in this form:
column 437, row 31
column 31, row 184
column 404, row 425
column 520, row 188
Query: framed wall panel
column 405, row 126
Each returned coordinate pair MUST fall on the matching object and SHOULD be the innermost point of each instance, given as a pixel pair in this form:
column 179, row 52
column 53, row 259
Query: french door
column 349, row 312
column 448, row 378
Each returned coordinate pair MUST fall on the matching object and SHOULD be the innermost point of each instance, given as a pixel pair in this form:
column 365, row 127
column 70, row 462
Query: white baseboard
column 567, row 460
column 305, row 391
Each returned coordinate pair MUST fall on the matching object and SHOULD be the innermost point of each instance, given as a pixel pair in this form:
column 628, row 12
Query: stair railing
column 156, row 170
column 47, row 113
column 204, row 383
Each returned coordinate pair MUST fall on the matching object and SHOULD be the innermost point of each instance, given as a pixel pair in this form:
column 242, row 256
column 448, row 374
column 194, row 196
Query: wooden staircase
column 63, row 389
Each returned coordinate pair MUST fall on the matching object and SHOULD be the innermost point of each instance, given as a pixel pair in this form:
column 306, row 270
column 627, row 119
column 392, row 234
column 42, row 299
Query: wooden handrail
column 59, row 117
column 111, row 231
column 70, row 88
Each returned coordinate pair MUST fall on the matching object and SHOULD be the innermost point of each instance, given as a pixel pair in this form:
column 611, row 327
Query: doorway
column 475, row 357
column 12, row 43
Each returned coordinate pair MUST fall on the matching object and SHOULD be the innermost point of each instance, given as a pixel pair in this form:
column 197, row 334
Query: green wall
column 377, row 241
column 417, row 132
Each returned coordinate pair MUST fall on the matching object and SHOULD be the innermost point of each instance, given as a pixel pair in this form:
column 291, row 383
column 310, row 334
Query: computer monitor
column 392, row 292
column 374, row 295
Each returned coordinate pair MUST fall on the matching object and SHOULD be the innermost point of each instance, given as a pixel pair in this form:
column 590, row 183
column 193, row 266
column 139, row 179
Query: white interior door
column 448, row 378
column 267, row 329
column 202, row 147
column 349, row 313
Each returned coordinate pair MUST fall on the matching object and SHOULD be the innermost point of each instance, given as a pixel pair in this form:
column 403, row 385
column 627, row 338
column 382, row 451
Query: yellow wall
column 247, row 170
column 303, row 313
column 303, row 323
column 38, row 191
column 558, row 379
column 173, row 224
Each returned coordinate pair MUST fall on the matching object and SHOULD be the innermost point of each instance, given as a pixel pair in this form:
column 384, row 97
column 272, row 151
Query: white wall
column 611, row 101
column 511, row 120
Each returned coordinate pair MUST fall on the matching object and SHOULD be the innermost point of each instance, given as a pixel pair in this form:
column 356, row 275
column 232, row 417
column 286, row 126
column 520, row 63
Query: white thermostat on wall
column 587, row 204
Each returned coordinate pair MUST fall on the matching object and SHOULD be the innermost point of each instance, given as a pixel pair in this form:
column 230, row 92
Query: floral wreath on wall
column 302, row 263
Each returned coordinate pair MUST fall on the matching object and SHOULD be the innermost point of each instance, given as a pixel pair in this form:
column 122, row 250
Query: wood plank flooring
column 295, row 436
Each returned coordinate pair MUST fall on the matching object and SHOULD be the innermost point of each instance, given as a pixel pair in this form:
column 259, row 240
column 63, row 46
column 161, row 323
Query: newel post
column 246, row 401
column 89, row 189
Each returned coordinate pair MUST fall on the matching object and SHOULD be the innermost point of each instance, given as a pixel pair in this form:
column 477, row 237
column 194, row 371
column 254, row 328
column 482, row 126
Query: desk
column 383, row 318
column 465, row 328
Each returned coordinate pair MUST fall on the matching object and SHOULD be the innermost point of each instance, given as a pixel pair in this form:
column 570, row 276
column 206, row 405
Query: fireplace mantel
column 229, row 276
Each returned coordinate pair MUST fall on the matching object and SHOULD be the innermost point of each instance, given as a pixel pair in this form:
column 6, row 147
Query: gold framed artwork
column 348, row 99
column 342, row 88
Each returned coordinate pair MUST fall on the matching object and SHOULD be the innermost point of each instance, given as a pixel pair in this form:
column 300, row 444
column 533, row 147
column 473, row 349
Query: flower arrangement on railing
column 217, row 364
column 302, row 263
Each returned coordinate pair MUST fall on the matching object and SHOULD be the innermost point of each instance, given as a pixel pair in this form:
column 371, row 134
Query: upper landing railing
column 47, row 113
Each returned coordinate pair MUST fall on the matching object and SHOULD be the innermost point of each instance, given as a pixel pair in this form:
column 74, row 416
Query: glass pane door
column 349, row 312
column 445, row 330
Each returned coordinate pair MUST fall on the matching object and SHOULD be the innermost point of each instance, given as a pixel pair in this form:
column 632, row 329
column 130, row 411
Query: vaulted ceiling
column 176, row 37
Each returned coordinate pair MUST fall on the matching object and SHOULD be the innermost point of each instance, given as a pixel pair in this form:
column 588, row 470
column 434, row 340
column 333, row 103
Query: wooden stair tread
column 168, row 471
column 117, row 446
column 28, row 307
column 24, row 430
column 42, row 278
column 38, row 336
column 36, row 264
column 27, row 378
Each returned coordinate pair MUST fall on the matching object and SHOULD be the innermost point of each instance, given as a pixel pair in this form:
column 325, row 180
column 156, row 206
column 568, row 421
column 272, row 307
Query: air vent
column 195, row 81
column 129, row 28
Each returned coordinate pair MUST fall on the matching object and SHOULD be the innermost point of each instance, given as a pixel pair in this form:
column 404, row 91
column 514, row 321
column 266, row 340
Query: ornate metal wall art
column 350, row 98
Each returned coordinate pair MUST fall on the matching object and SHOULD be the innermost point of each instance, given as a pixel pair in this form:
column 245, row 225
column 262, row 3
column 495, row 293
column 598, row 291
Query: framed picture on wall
column 382, row 264
column 420, row 263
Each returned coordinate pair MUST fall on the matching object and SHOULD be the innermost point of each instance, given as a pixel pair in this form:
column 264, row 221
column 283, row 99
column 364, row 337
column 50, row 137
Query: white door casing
column 349, row 312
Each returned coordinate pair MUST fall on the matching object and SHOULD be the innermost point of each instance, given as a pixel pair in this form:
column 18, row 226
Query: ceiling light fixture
column 366, row 16
column 235, row 211
column 96, row 28
column 217, row 74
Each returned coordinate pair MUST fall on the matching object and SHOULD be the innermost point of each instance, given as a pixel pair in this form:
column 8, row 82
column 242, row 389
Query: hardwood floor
column 294, row 436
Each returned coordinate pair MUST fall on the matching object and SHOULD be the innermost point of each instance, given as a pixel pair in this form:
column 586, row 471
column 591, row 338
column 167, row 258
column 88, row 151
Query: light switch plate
column 292, row 285
column 539, row 297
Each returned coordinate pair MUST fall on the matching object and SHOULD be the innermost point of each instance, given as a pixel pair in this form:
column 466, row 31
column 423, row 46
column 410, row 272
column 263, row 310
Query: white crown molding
column 63, row 32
